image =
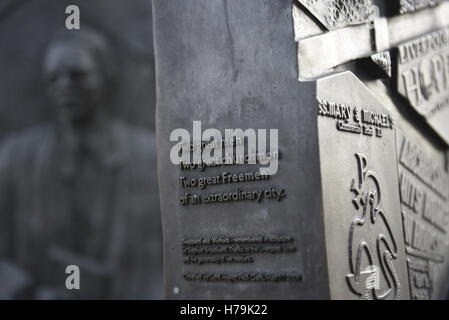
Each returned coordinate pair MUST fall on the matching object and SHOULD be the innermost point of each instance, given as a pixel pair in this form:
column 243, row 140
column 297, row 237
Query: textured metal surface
column 360, row 195
column 211, row 72
column 413, row 5
column 423, row 178
column 423, row 185
column 422, row 77
column 424, row 189
column 382, row 34
column 383, row 60
column 347, row 205
column 340, row 13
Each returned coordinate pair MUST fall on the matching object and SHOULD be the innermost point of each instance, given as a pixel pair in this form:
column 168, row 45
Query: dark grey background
column 26, row 26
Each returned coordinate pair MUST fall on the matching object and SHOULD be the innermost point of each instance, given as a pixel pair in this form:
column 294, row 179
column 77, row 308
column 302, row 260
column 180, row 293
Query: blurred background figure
column 78, row 179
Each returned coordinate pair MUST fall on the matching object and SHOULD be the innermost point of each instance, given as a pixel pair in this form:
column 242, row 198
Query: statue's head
column 78, row 72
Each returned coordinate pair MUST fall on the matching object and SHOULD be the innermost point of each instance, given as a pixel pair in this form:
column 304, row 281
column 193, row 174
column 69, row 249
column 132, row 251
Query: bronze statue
column 81, row 191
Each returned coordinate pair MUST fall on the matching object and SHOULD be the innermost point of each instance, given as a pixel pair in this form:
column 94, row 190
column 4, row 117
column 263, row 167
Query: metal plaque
column 423, row 77
column 424, row 191
column 240, row 235
column 364, row 234
column 358, row 208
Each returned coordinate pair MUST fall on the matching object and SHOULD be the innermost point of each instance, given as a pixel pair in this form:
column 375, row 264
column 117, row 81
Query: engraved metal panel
column 413, row 5
column 360, row 195
column 253, row 239
column 335, row 14
column 383, row 60
column 424, row 191
column 348, row 216
column 423, row 78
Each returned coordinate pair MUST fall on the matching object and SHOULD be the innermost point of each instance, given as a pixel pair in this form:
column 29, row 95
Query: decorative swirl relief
column 372, row 246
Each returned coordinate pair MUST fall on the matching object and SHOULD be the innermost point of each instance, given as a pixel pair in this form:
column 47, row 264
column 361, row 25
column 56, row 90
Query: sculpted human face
column 75, row 82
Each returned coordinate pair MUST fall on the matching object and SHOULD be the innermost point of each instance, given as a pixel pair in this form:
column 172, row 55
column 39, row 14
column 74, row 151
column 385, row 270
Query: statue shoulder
column 139, row 142
column 26, row 141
